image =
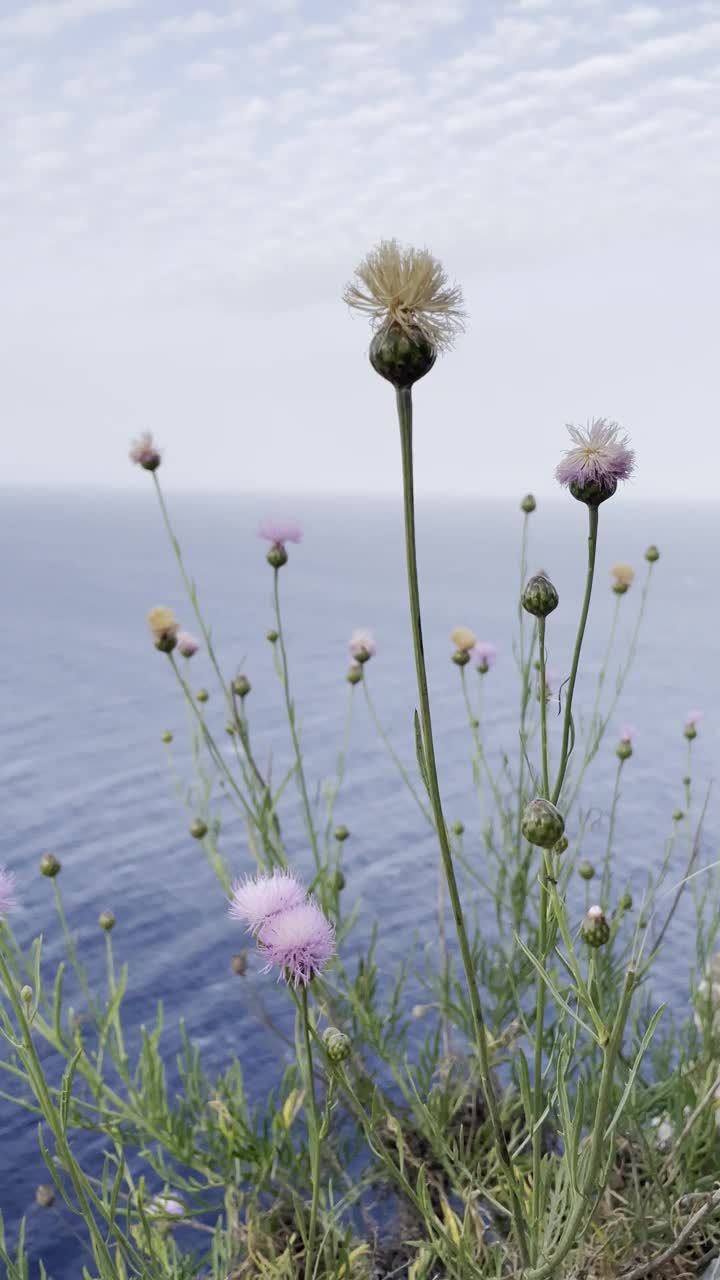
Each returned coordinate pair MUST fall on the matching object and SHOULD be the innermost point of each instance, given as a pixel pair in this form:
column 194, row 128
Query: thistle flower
column 599, row 459
column 355, row 673
column 414, row 311
column 362, row 646
column 692, row 720
column 463, row 639
column 8, row 901
column 298, row 941
column 145, row 453
column 595, row 928
column 187, row 644
column 279, row 532
column 625, row 746
column 258, row 900
column 485, row 655
column 163, row 628
column 624, row 576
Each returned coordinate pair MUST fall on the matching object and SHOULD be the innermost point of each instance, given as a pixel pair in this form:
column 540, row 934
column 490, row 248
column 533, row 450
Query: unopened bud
column 166, row 736
column 686, row 780
column 272, row 636
column 277, row 556
column 202, row 695
column 461, row 657
column 690, row 731
column 355, row 675
column 337, row 1044
column 652, row 554
column 678, row 815
column 528, row 504
column 50, row 866
column 198, row 829
column 45, row 1196
column 341, row 833
column 241, row 686
column 625, row 902
column 595, row 928
column 624, row 749
column 560, row 845
column 542, row 823
column 586, row 870
column 458, row 827
column 338, row 881
column 239, row 963
column 402, row 355
column 106, row 920
column 26, row 994
column 540, row 596
column 230, row 728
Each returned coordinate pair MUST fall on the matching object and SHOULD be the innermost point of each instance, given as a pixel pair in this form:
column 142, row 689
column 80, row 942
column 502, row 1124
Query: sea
column 85, row 698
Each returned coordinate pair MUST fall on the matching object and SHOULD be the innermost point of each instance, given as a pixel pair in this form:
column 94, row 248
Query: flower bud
column 166, row 736
column 198, row 829
column 678, row 815
column 528, row 504
column 230, row 728
column 690, row 731
column 560, row 845
column 202, row 695
column 624, row 749
column 625, row 902
column 239, row 963
column 337, row 1044
column 341, row 833
column 540, row 596
column 652, row 554
column 586, row 870
column 354, row 675
column 642, row 922
column 403, row 356
column 272, row 636
column 595, row 928
column 106, row 920
column 50, row 866
column 26, row 995
column 277, row 556
column 241, row 686
column 461, row 657
column 686, row 780
column 542, row 823
column 458, row 828
column 45, row 1196
column 338, row 881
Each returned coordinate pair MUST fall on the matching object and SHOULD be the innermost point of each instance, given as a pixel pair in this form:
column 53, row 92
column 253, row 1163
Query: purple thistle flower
column 257, row 900
column 145, row 453
column 694, row 718
column 299, row 941
column 187, row 645
column 599, row 459
column 485, row 655
column 362, row 647
column 279, row 532
column 8, row 901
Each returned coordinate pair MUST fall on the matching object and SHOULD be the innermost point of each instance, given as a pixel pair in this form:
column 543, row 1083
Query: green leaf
column 635, row 1067
column 66, row 1087
column 420, row 752
column 553, row 989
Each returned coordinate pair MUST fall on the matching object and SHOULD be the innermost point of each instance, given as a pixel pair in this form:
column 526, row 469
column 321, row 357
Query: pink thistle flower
column 8, row 901
column 257, row 900
column 362, row 647
column 694, row 718
column 187, row 645
column 145, row 453
column 299, row 942
column 485, row 655
column 599, row 459
column 279, row 532
column 628, row 733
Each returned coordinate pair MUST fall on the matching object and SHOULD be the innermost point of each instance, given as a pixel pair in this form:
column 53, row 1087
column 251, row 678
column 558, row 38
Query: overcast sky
column 184, row 192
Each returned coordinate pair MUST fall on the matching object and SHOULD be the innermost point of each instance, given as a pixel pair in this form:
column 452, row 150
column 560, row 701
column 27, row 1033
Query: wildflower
column 624, row 747
column 257, row 900
column 337, row 1044
column 464, row 639
column 279, row 533
column 241, row 686
column 164, row 628
column 600, row 458
column 528, row 504
column 362, row 646
column 50, row 866
column 542, row 823
column 187, row 644
column 145, row 453
column 540, row 597
column 413, row 309
column 485, row 655
column 595, row 928
column 8, row 901
column 652, row 555
column 624, row 576
column 692, row 721
column 299, row 941
column 106, row 920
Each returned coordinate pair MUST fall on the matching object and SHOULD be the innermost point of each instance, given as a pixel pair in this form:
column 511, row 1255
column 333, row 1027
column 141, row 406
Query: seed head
column 163, row 628
column 599, row 459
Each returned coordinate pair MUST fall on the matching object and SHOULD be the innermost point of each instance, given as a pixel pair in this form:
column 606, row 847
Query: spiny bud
column 202, row 695
column 355, row 675
column 241, row 686
column 540, row 596
column 106, row 920
column 277, row 556
column 26, row 994
column 528, row 504
column 337, row 1044
column 625, row 902
column 198, row 829
column 586, row 870
column 341, row 833
column 166, row 736
column 542, row 823
column 595, row 928
column 50, row 866
column 458, row 827
column 652, row 554
column 272, row 636
column 560, row 845
column 45, row 1196
column 239, row 963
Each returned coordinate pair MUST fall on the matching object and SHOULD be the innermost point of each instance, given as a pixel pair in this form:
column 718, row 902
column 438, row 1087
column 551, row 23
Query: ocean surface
column 85, row 698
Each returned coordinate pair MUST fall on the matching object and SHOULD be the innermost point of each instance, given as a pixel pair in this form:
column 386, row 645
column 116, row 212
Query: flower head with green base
column 600, row 457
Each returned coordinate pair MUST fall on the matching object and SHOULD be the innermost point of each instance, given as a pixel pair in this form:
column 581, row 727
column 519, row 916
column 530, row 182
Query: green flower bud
column 678, row 815
column 620, row 588
column 458, row 828
column 625, row 902
column 198, row 829
column 45, row 1196
column 540, row 596
column 277, row 556
column 593, row 492
column 624, row 749
column 337, row 1044
column 50, row 866
column 106, row 920
column 690, row 732
column 403, row 356
column 230, row 728
column 241, row 686
column 461, row 657
column 586, row 870
column 595, row 928
column 652, row 554
column 643, row 922
column 338, row 882
column 166, row 736
column 272, row 636
column 26, row 994
column 542, row 823
column 341, row 833
column 528, row 504
column 355, row 675
column 686, row 780
column 560, row 845
column 239, row 963
column 202, row 695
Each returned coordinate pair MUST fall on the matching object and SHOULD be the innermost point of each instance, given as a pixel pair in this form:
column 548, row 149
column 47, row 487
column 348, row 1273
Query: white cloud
column 38, row 21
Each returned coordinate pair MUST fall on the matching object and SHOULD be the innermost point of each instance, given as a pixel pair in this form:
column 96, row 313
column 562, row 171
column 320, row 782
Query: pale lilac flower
column 362, row 646
column 257, row 900
column 485, row 655
column 694, row 718
column 299, row 942
column 145, row 453
column 8, row 901
column 599, row 459
column 187, row 644
column 628, row 734
column 279, row 532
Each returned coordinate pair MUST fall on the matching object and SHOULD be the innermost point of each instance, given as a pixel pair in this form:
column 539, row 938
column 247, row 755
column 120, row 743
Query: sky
column 184, row 193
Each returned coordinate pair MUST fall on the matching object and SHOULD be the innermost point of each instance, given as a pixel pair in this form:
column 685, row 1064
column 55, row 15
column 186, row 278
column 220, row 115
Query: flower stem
column 565, row 750
column 542, row 948
column 404, row 409
column 314, row 1139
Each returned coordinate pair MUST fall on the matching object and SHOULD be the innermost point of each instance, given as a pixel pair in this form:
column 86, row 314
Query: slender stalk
column 542, row 947
column 394, row 755
column 314, row 1139
column 605, row 880
column 543, row 707
column 112, row 989
column 404, row 408
column 565, row 748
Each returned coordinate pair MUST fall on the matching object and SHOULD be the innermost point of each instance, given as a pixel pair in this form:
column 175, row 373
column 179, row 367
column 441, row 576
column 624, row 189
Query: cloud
column 39, row 21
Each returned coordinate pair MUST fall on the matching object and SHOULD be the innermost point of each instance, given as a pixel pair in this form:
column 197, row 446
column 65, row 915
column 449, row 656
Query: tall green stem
column 567, row 722
column 404, row 409
column 543, row 946
column 314, row 1139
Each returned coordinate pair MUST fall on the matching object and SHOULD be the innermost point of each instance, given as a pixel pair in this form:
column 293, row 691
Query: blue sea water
column 85, row 698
